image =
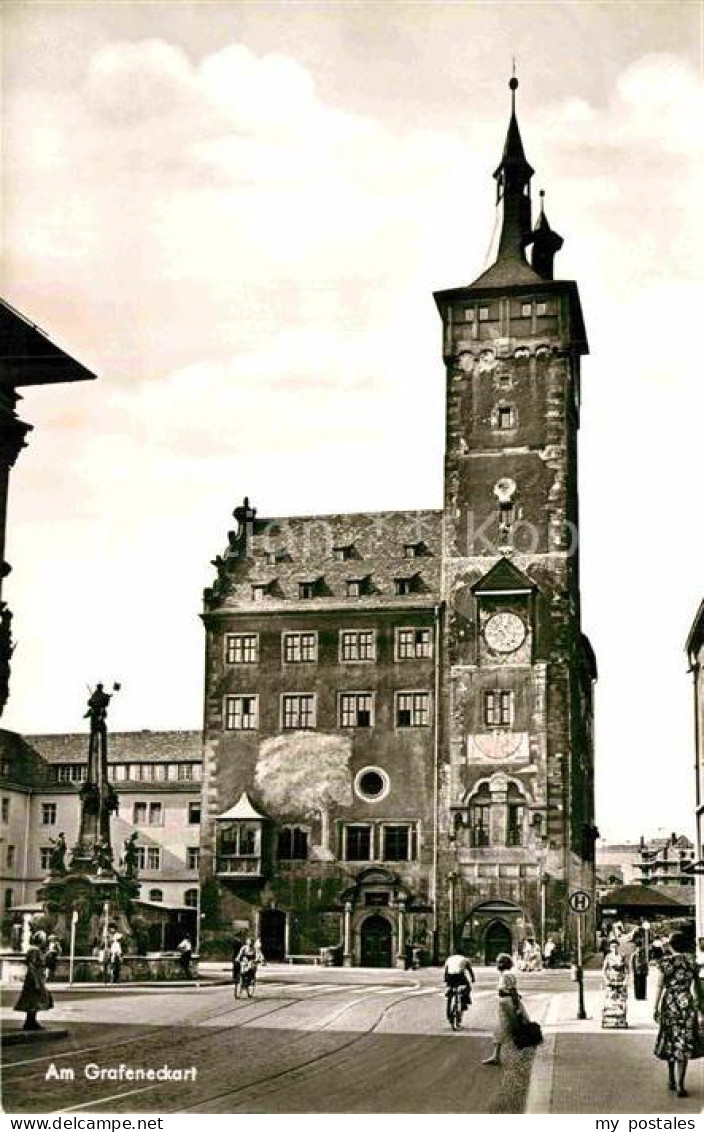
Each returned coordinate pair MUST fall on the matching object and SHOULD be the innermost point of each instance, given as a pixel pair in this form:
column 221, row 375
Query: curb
column 29, row 1037
column 539, row 1098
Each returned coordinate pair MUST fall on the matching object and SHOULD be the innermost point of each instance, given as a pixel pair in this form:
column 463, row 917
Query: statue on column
column 98, row 796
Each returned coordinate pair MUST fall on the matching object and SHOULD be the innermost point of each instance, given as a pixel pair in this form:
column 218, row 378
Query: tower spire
column 546, row 243
column 513, row 188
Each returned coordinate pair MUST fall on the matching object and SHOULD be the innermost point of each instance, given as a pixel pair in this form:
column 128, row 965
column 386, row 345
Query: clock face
column 496, row 744
column 504, row 632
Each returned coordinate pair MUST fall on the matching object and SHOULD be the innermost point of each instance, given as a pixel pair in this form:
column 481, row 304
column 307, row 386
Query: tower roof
column 504, row 577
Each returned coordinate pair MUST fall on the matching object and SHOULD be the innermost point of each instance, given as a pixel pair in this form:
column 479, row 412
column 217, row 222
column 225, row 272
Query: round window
column 372, row 784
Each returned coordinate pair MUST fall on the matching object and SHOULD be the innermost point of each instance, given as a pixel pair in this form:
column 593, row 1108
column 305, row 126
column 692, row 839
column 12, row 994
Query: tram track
column 14, row 1077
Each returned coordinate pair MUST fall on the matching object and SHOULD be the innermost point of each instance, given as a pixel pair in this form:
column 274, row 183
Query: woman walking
column 678, row 999
column 510, row 1008
column 34, row 996
column 615, row 1007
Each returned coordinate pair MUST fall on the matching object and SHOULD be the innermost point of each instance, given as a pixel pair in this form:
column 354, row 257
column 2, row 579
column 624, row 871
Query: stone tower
column 518, row 782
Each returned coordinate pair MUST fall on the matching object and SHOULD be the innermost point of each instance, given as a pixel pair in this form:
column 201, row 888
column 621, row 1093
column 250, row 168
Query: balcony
column 238, row 866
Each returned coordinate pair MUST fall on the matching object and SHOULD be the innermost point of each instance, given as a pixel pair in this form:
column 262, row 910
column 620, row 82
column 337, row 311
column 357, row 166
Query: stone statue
column 98, row 796
column 57, row 856
column 131, row 856
column 102, row 857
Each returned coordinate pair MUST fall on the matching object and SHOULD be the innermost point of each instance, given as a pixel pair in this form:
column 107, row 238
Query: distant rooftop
column 123, row 747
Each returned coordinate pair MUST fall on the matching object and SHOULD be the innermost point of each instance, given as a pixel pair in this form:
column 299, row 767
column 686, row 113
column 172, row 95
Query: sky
column 236, row 214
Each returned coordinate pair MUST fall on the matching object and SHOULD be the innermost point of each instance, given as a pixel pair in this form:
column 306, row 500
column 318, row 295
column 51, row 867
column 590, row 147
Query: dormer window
column 261, row 590
column 415, row 550
column 405, row 586
column 357, row 587
column 309, row 588
column 344, row 553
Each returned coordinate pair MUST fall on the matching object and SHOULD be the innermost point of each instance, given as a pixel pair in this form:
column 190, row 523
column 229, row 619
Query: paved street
column 313, row 1041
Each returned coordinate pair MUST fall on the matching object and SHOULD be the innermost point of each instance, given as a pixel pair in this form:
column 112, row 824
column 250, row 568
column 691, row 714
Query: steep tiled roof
column 282, row 552
column 123, row 747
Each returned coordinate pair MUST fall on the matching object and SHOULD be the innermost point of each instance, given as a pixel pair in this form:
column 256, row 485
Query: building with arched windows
column 398, row 708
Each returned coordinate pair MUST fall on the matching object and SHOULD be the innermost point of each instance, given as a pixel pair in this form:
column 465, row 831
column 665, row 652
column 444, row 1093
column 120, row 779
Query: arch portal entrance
column 497, row 939
column 376, row 937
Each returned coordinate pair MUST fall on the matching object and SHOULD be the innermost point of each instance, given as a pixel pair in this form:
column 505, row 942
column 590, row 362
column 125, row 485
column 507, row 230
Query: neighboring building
column 695, row 654
column 398, row 707
column 157, row 776
column 662, row 860
column 27, row 357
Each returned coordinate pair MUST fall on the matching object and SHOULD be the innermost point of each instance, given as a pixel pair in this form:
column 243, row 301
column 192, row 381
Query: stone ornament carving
column 487, row 362
column 505, row 489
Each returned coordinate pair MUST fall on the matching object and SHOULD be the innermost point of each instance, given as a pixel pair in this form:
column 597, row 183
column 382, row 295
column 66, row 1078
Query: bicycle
column 455, row 1007
column 245, row 982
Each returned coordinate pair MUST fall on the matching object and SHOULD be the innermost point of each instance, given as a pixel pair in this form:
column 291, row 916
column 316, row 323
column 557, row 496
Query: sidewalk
column 581, row 1068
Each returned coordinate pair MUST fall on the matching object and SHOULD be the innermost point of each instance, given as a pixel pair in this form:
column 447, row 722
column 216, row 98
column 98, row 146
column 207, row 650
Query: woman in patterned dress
column 615, row 1006
column 510, row 1011
column 678, row 1000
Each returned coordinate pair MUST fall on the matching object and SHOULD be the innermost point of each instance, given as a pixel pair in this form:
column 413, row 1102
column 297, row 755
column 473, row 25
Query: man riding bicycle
column 458, row 973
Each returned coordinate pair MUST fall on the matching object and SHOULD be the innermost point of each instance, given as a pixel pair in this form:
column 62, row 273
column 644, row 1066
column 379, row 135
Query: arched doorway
column 497, row 938
column 375, row 941
column 272, row 932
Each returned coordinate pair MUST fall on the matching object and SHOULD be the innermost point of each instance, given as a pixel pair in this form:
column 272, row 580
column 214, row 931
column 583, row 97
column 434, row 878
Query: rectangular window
column 9, row 899
column 5, row 810
column 469, row 314
column 498, row 708
column 298, row 712
column 306, row 590
column 343, row 553
column 413, row 709
column 356, row 587
column 139, row 813
column 398, row 843
column 479, row 823
column 120, row 772
column 514, row 825
column 505, row 417
column 194, row 813
column 259, row 592
column 356, row 709
column 185, row 772
column 153, row 857
column 4, row 768
column 10, row 856
column 526, row 310
column 48, row 813
column 156, row 813
column 45, row 858
column 541, row 309
column 358, row 843
column 241, row 713
column 483, row 314
column 300, row 648
column 413, row 644
column 357, row 644
column 242, row 648
column 292, row 844
column 192, row 857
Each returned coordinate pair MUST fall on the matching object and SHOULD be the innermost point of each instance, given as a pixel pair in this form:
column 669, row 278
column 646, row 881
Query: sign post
column 580, row 903
column 72, row 951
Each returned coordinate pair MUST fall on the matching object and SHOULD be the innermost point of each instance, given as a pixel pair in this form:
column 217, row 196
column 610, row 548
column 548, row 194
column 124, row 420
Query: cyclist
column 247, row 962
column 458, row 973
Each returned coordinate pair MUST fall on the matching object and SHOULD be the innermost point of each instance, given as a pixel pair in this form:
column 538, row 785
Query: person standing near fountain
column 34, row 995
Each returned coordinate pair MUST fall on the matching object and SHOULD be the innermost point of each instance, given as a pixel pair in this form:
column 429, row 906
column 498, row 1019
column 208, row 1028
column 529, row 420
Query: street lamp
column 452, row 880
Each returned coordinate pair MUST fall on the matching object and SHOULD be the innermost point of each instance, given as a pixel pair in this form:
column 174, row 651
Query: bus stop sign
column 580, row 901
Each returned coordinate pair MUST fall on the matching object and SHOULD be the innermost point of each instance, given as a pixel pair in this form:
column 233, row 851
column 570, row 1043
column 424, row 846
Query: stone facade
column 474, row 692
